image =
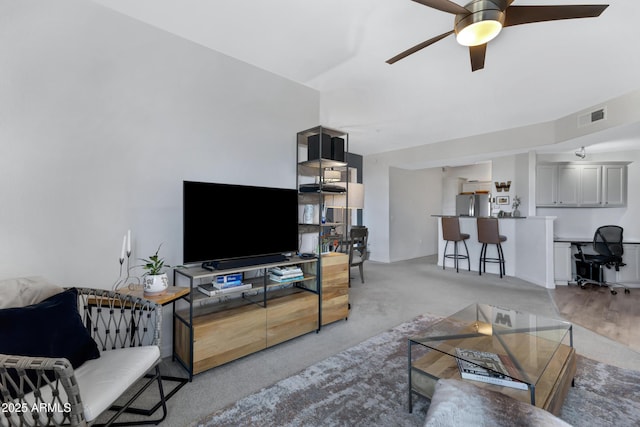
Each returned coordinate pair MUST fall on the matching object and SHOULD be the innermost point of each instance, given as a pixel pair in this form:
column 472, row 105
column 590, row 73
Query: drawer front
column 220, row 340
column 291, row 316
column 335, row 288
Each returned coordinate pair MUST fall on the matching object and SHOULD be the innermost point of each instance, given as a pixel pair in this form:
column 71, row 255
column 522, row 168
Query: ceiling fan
column 479, row 21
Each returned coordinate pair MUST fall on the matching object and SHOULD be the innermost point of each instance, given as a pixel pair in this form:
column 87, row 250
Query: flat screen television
column 227, row 225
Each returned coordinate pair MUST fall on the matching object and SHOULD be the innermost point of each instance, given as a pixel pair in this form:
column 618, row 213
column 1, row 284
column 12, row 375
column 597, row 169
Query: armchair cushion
column 51, row 328
column 102, row 381
column 23, row 291
column 118, row 370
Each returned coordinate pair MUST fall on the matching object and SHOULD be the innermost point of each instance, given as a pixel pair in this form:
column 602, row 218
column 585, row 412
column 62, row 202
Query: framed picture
column 503, row 200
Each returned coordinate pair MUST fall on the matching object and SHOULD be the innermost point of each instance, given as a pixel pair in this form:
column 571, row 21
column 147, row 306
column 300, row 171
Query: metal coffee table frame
column 478, row 323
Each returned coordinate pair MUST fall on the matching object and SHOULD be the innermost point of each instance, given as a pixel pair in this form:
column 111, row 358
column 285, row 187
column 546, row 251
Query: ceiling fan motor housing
column 480, row 11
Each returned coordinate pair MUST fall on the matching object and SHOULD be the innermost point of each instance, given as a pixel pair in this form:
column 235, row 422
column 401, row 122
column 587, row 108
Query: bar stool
column 451, row 233
column 488, row 234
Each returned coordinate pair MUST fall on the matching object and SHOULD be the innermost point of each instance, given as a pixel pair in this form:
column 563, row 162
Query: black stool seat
column 488, row 234
column 451, row 233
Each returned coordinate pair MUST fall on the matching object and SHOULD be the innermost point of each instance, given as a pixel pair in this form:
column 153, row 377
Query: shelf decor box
column 319, row 148
column 337, row 149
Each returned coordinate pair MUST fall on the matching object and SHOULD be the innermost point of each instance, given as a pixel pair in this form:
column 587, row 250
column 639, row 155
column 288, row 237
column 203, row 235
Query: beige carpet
column 614, row 316
column 366, row 385
column 393, row 293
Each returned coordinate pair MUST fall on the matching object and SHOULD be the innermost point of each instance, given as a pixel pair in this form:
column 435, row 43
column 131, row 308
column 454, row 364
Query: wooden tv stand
column 212, row 331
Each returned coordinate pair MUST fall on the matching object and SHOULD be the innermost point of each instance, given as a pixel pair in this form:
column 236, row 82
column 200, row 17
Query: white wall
column 103, row 117
column 414, row 197
column 474, row 172
column 376, row 207
column 621, row 111
column 514, row 169
column 461, row 151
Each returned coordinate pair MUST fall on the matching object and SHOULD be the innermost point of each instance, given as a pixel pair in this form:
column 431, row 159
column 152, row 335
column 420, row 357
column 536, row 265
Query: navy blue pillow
column 52, row 328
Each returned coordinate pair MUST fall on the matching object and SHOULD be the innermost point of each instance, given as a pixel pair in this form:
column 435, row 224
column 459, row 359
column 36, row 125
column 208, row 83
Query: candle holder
column 123, row 280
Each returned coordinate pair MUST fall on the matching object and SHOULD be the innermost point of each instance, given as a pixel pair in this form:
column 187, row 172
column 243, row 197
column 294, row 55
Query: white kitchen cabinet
column 614, row 185
column 547, row 185
column 573, row 184
column 568, row 184
column 590, row 192
column 562, row 263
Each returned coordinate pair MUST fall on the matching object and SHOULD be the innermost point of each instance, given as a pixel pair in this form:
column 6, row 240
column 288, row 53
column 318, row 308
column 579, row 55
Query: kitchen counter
column 589, row 240
column 528, row 251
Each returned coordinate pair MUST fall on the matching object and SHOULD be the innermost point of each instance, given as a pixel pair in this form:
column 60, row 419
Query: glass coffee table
column 528, row 357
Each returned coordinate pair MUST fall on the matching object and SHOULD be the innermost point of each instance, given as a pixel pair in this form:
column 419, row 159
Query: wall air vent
column 592, row 117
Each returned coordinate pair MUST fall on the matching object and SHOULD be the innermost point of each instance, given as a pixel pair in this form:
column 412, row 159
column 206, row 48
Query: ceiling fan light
column 479, row 33
column 481, row 25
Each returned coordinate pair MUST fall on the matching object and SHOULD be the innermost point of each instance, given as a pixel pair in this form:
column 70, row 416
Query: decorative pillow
column 52, row 328
column 460, row 403
column 23, row 291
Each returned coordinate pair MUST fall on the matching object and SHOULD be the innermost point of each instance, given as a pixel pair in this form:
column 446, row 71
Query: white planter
column 155, row 284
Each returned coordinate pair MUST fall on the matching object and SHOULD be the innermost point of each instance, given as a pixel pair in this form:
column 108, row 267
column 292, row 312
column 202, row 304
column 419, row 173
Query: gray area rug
column 366, row 385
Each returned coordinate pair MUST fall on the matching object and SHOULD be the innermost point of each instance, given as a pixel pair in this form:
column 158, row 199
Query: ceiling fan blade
column 516, row 15
column 418, row 47
column 444, row 5
column 477, row 54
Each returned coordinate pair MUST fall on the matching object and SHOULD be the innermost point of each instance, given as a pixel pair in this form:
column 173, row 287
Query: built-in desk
column 564, row 261
column 588, row 240
column 528, row 251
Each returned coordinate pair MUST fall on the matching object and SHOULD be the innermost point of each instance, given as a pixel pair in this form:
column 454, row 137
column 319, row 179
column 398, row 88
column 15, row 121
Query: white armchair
column 86, row 348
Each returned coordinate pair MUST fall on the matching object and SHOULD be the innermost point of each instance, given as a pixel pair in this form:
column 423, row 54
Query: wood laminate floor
column 595, row 308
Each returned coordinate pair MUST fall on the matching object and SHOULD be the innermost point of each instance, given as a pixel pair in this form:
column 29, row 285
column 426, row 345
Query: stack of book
column 228, row 281
column 224, row 284
column 285, row 274
column 488, row 368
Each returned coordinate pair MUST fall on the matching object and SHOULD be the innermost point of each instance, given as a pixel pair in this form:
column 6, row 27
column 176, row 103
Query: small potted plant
column 516, row 205
column 154, row 279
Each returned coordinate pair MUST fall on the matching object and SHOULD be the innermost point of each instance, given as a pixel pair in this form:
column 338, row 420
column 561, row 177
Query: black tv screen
column 226, row 221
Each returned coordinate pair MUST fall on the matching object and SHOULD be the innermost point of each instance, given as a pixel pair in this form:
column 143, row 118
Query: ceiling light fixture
column 480, row 21
column 480, row 26
column 581, row 153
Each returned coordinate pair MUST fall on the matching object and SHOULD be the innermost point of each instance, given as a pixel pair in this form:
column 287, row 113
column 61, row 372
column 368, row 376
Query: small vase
column 155, row 284
column 307, row 217
column 516, row 212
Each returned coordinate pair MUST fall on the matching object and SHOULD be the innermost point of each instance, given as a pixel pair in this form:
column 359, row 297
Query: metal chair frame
column 114, row 321
column 609, row 254
column 358, row 240
column 451, row 233
column 489, row 234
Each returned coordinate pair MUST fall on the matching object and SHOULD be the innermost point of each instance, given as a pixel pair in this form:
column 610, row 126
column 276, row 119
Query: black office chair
column 607, row 243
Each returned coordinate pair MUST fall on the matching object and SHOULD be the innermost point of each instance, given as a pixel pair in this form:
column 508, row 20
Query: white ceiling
column 533, row 73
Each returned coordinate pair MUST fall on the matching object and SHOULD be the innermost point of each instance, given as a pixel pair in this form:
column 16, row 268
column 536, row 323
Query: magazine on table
column 472, row 363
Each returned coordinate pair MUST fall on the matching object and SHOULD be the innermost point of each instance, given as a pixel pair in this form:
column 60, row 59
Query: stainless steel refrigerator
column 473, row 205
